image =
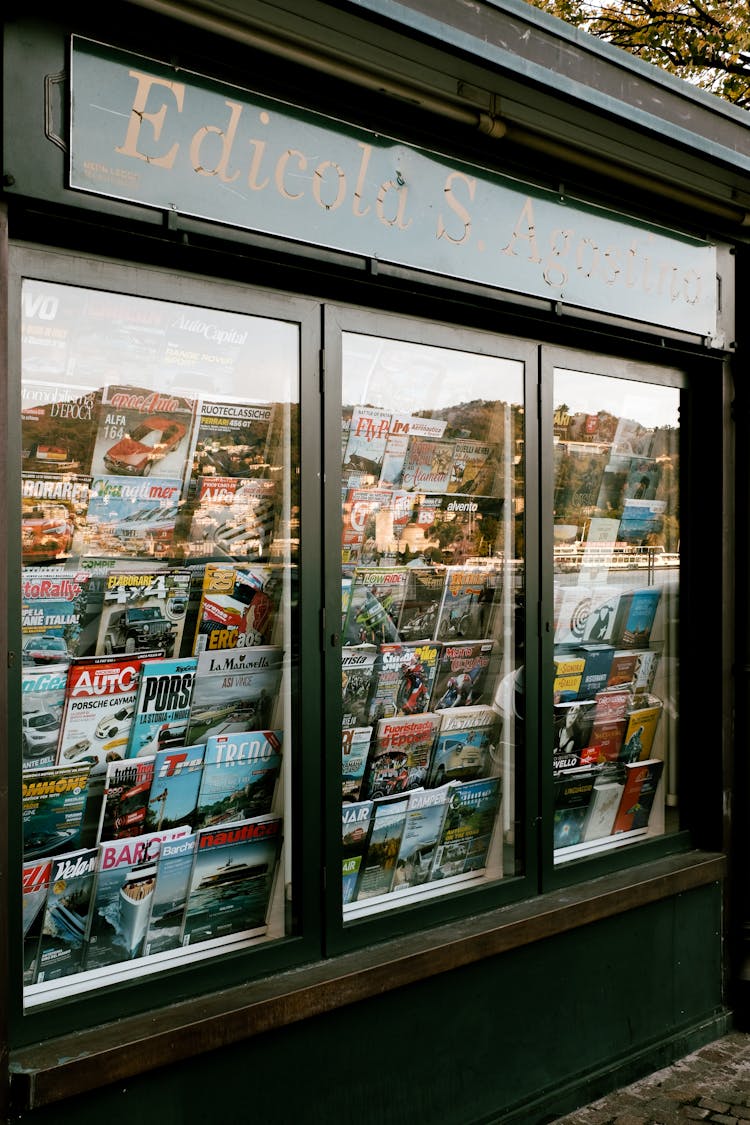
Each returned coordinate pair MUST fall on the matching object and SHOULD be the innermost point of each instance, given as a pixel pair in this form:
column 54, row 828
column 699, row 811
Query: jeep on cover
column 136, row 628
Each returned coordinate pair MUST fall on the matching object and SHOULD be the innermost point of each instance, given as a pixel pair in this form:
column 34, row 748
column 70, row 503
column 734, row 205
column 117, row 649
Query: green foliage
column 707, row 43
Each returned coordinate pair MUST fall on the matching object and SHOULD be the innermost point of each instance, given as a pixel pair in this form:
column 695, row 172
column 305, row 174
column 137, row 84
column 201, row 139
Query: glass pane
column 433, row 586
column 160, row 552
column 617, row 573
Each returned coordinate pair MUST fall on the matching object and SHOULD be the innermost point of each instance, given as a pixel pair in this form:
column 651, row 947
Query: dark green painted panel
column 527, row 1029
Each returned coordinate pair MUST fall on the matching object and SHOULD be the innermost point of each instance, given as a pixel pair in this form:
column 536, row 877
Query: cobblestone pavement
column 712, row 1084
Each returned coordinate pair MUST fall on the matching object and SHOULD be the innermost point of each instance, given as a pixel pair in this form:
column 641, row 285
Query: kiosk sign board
column 154, row 134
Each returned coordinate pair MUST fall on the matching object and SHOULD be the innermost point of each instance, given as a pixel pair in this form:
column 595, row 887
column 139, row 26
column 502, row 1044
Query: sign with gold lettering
column 156, row 135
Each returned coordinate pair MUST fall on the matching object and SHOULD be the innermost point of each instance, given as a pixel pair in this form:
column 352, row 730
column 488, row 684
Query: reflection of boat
column 135, row 903
column 233, row 873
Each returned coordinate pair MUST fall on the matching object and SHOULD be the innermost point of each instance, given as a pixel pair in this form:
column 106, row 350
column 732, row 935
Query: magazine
column 355, row 821
column 421, row 605
column 585, row 613
column 573, row 790
column 360, row 508
column 403, row 680
column 173, row 870
column 162, row 705
column 232, row 439
column 233, row 518
column 237, row 608
column 125, row 882
column 62, row 944
column 53, row 604
column 355, row 749
column 466, row 608
column 573, row 726
column 639, row 794
column 365, row 447
column 126, row 793
column 377, row 868
column 36, row 877
column 466, row 744
column 54, row 801
column 235, row 691
column 42, row 699
column 467, row 830
column 58, row 425
column 377, row 595
column 428, row 465
column 142, row 433
column 357, row 664
column 239, row 777
column 173, row 799
column 53, row 512
column 232, row 879
column 143, row 611
column 640, row 732
column 400, row 754
column 635, row 617
column 423, row 827
column 474, row 469
column 641, row 519
column 131, row 517
column 463, row 677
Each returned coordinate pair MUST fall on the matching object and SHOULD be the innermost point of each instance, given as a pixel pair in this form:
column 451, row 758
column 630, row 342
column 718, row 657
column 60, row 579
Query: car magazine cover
column 173, row 870
column 131, row 518
column 232, row 879
column 233, row 518
column 36, row 877
column 62, row 943
column 143, row 611
column 99, row 707
column 400, row 754
column 403, row 680
column 239, row 777
column 377, row 868
column 355, row 821
column 54, row 799
column 423, row 826
column 463, row 674
column 421, row 605
column 233, row 439
column 125, row 882
column 53, row 512
column 355, row 749
column 42, row 699
column 237, row 608
column 162, row 704
column 142, row 433
column 58, row 424
column 469, row 594
column 174, row 791
column 53, row 604
column 357, row 664
column 377, row 595
column 235, row 691
column 361, row 511
column 127, row 786
column 466, row 744
column 467, row 829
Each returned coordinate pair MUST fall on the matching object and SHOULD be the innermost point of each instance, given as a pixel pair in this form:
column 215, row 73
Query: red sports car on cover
column 137, row 453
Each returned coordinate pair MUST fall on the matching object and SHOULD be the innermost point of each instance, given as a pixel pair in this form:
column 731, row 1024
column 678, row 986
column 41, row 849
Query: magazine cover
column 234, row 518
column 357, row 664
column 572, row 796
column 235, row 691
column 362, row 511
column 646, row 667
column 640, row 732
column 238, row 607
column 377, row 868
column 423, row 826
column 573, row 726
column 622, row 669
column 641, row 519
column 62, row 943
column 596, row 672
column 53, row 605
column 400, row 754
column 604, row 803
column 421, row 605
column 239, row 777
column 42, row 699
column 643, row 478
column 365, row 447
column 638, row 797
column 569, row 666
column 174, row 790
column 131, row 518
column 232, row 439
column 54, row 800
column 162, row 705
column 143, row 611
column 58, row 425
column 469, row 527
column 53, row 512
column 403, row 679
column 173, row 870
column 36, row 877
column 467, row 830
column 585, row 613
column 142, row 433
column 635, row 617
column 466, row 744
column 355, row 822
column 99, row 707
column 427, row 466
column 474, row 468
column 465, row 610
column 464, row 674
column 377, row 595
column 125, row 882
column 127, row 786
column 232, row 879
column 392, row 468
column 355, row 749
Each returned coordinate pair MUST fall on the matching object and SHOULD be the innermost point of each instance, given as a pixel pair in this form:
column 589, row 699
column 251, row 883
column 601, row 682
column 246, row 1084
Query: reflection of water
column 221, row 910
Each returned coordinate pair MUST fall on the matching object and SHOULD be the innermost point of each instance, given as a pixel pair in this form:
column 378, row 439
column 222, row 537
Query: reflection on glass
column 616, row 556
column 432, row 565
column 159, row 547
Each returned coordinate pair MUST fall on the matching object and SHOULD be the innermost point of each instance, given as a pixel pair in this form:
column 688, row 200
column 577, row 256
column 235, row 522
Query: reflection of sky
column 406, row 377
column 182, row 791
column 646, row 403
